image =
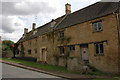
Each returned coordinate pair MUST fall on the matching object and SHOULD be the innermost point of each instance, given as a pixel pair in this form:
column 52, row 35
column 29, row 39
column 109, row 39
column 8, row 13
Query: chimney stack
column 25, row 30
column 33, row 26
column 68, row 8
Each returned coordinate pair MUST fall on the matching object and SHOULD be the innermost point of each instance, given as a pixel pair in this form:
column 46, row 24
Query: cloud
column 11, row 23
column 15, row 15
column 10, row 36
column 26, row 8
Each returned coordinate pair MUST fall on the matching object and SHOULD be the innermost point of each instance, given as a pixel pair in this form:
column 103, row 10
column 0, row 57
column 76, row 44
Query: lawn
column 37, row 65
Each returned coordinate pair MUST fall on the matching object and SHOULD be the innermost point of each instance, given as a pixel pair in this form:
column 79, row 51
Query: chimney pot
column 33, row 26
column 25, row 30
column 68, row 8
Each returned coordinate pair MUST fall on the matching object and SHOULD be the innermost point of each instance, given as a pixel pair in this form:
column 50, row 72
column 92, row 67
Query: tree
column 8, row 45
column 15, row 49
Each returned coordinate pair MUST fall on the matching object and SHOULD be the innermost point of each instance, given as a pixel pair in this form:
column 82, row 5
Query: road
column 9, row 71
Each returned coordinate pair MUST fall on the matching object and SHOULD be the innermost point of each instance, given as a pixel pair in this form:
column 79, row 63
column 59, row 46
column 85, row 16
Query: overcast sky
column 15, row 15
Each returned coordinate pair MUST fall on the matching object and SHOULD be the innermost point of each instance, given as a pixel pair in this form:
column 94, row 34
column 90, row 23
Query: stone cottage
column 89, row 36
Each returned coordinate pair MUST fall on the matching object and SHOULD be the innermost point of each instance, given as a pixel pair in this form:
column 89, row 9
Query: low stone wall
column 74, row 64
column 7, row 54
column 62, row 61
column 52, row 61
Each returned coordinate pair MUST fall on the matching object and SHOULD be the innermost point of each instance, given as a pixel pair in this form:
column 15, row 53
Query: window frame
column 62, row 50
column 72, row 48
column 29, row 51
column 61, row 34
column 35, row 50
column 100, row 50
column 29, row 42
column 96, row 28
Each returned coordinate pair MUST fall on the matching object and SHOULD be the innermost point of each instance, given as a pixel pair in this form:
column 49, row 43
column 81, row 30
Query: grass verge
column 37, row 65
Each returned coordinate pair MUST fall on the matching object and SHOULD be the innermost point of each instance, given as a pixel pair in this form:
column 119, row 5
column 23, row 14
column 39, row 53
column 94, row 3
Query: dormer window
column 23, row 36
column 97, row 26
column 34, row 32
column 53, row 23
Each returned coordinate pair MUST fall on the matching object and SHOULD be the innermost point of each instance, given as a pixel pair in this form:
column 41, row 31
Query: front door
column 84, row 52
column 44, row 55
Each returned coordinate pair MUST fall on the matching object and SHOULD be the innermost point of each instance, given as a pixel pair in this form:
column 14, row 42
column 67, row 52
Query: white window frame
column 99, row 49
column 96, row 28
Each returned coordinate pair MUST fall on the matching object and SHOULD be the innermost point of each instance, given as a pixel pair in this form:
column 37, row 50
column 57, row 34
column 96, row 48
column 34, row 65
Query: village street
column 9, row 71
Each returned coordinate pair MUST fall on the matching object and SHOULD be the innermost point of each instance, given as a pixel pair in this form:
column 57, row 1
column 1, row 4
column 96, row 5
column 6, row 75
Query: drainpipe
column 118, row 29
column 119, row 37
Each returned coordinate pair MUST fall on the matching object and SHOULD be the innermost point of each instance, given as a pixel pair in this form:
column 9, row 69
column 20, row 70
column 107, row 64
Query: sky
column 15, row 15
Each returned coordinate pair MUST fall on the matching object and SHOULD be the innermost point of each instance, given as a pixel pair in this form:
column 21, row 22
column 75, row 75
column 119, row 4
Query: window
column 97, row 26
column 35, row 51
column 44, row 38
column 99, row 49
column 29, row 51
column 61, row 50
column 34, row 32
column 23, row 36
column 61, row 34
column 30, row 43
column 53, row 23
column 72, row 48
column 36, row 39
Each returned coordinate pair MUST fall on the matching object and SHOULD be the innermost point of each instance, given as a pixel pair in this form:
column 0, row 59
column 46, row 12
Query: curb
column 33, row 69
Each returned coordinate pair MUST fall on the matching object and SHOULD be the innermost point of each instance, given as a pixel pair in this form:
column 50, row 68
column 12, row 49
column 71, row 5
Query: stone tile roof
column 40, row 30
column 96, row 10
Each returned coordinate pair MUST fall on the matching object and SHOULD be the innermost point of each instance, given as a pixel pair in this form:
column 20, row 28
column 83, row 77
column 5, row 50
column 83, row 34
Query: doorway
column 84, row 52
column 43, row 54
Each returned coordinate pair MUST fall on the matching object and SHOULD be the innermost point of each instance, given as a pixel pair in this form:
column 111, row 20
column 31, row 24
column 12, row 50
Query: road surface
column 9, row 71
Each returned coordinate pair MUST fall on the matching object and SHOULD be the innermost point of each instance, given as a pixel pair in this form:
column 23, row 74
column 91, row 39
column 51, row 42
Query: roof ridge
column 85, row 7
column 90, row 6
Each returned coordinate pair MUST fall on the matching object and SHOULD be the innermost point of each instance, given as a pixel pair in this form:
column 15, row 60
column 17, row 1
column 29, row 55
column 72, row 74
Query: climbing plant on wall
column 22, row 50
column 64, row 39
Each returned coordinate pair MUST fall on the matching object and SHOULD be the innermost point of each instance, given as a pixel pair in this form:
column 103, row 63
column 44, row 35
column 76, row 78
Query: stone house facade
column 88, row 37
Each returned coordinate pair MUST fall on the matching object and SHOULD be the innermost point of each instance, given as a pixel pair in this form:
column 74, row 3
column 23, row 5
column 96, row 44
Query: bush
column 7, row 45
column 7, row 54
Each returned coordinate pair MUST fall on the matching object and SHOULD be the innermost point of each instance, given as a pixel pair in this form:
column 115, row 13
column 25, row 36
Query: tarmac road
column 9, row 71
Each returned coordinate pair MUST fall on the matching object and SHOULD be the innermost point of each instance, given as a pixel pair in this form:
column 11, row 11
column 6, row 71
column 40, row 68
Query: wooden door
column 84, row 52
column 43, row 54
